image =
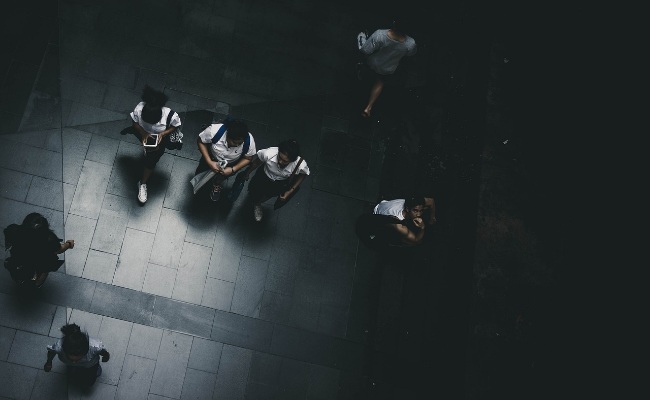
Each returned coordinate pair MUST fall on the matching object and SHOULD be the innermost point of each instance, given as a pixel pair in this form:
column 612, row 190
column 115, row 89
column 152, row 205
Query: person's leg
column 88, row 376
column 150, row 161
column 375, row 91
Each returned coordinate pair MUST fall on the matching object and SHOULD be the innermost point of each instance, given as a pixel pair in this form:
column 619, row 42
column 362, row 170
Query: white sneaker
column 258, row 213
column 142, row 192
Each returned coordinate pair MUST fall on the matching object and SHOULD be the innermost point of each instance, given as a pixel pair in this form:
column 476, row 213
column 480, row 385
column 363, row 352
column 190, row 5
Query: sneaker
column 142, row 192
column 215, row 194
column 257, row 212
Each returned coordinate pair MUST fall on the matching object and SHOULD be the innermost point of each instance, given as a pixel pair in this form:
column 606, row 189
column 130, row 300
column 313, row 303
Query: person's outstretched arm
column 251, row 167
column 48, row 364
column 430, row 204
column 372, row 44
column 68, row 244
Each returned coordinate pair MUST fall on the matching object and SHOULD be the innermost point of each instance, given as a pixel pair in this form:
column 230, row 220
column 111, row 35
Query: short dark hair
column 291, row 148
column 154, row 100
column 236, row 129
column 411, row 202
column 75, row 342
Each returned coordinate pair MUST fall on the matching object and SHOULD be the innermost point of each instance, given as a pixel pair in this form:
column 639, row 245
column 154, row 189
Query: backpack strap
column 169, row 117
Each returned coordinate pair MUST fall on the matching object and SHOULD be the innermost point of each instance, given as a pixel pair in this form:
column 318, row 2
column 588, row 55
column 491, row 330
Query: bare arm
column 48, row 364
column 408, row 236
column 243, row 162
column 205, row 153
column 430, row 204
column 251, row 167
column 299, row 179
column 68, row 244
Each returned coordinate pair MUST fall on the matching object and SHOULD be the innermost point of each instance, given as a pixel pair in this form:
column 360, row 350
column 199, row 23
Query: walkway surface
column 195, row 300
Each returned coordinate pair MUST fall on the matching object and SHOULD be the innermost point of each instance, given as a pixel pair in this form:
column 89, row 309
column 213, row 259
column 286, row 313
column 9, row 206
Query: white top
column 159, row 126
column 220, row 150
column 393, row 208
column 273, row 170
column 384, row 53
column 91, row 358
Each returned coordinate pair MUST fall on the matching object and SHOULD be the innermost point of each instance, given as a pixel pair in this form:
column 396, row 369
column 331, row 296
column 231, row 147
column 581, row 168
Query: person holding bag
column 226, row 148
column 152, row 125
column 283, row 172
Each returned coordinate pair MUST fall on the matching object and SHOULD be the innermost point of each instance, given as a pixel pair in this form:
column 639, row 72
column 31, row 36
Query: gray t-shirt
column 91, row 358
column 384, row 53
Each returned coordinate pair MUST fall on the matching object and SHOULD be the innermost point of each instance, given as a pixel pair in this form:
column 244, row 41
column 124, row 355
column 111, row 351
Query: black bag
column 18, row 272
column 173, row 141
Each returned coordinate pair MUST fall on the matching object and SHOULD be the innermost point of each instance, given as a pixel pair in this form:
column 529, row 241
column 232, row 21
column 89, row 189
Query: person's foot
column 365, row 113
column 142, row 192
column 40, row 279
column 257, row 212
column 215, row 194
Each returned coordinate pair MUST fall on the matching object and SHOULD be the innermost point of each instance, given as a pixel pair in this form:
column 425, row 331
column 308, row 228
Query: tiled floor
column 193, row 300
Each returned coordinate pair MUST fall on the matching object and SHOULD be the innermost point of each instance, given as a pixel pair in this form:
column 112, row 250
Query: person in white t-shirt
column 149, row 118
column 273, row 180
column 409, row 211
column 80, row 353
column 383, row 51
column 234, row 149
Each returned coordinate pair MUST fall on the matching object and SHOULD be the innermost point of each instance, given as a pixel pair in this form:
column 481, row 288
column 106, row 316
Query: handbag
column 236, row 188
column 289, row 182
column 175, row 139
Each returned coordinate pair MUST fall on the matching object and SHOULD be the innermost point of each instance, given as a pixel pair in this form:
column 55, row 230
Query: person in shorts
column 150, row 117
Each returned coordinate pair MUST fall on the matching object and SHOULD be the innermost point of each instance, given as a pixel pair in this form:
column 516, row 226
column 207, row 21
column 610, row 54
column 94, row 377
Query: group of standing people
column 227, row 149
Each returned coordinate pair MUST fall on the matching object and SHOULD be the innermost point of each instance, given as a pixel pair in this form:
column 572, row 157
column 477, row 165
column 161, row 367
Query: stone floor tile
column 264, row 368
column 115, row 334
column 26, row 314
column 98, row 391
column 145, row 217
column 205, row 355
column 100, row 266
column 29, row 349
column 198, row 385
column 80, row 229
column 66, row 290
column 14, row 184
column 323, row 382
column 6, row 339
column 41, row 162
column 109, row 233
column 304, row 314
column 333, row 320
column 126, row 170
column 249, row 286
column 159, row 280
column 49, row 386
column 88, row 322
column 217, row 294
column 102, row 149
column 171, row 364
column 233, row 372
column 60, row 319
column 179, row 193
column 75, row 260
column 293, row 379
column 195, row 259
column 134, row 255
column 121, row 303
column 169, row 239
column 23, row 379
column 276, row 307
column 202, row 227
column 144, row 341
column 75, row 146
column 91, row 188
column 136, row 377
column 237, row 330
column 182, row 317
